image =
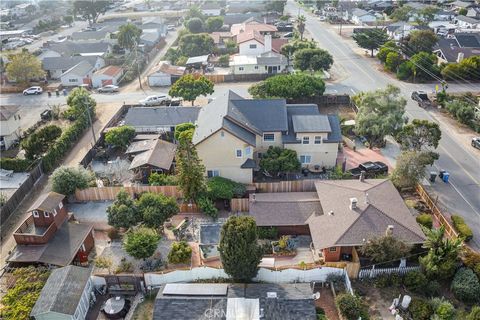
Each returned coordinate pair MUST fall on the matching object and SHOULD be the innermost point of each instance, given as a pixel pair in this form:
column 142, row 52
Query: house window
column 305, row 159
column 46, row 214
column 268, row 137
column 333, row 249
column 256, row 67
column 213, row 173
column 54, row 212
column 240, row 69
column 306, row 140
column 72, row 80
column 253, row 46
column 318, row 139
column 238, row 153
column 60, row 205
column 248, row 151
column 35, row 213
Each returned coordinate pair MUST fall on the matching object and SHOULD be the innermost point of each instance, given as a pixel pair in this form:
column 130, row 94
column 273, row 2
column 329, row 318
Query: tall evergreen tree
column 239, row 251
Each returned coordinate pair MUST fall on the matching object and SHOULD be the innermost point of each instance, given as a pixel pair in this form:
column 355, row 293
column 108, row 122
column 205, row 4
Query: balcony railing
column 28, row 233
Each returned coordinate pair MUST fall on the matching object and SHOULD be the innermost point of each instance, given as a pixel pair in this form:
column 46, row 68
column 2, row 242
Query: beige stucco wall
column 219, row 153
column 262, row 146
column 324, row 154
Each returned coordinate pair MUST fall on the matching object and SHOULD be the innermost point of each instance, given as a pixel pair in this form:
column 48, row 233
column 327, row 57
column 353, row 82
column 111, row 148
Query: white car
column 171, row 27
column 32, row 90
column 108, row 88
column 155, row 100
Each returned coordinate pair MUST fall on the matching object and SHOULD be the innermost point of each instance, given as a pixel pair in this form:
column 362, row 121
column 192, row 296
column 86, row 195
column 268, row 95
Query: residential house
column 151, row 155
column 99, row 35
column 165, row 74
column 77, row 75
column 401, row 29
column 265, row 63
column 156, row 23
column 65, row 296
column 47, row 237
column 443, row 15
column 379, row 5
column 81, row 48
column 456, row 47
column 198, row 62
column 241, row 6
column 251, row 25
column 211, row 8
column 150, row 38
column 473, row 12
column 106, row 76
column 159, row 119
column 9, row 125
column 457, row 5
column 234, row 18
column 56, row 66
column 178, row 301
column 340, row 215
column 360, row 16
column 232, row 134
column 254, row 43
column 467, row 22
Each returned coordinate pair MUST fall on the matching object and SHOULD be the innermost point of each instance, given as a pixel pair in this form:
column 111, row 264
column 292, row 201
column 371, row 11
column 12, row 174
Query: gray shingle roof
column 467, row 19
column 239, row 132
column 47, row 202
column 65, row 63
column 160, row 116
column 62, row 291
column 7, row 111
column 68, row 48
column 90, row 35
column 160, row 155
column 81, row 69
column 265, row 115
column 311, row 123
column 336, row 134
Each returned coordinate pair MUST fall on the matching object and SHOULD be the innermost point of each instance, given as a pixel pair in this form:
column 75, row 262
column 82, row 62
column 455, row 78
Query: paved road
column 356, row 73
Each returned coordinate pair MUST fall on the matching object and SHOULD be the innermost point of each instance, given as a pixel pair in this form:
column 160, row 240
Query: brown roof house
column 340, row 215
column 165, row 74
column 47, row 237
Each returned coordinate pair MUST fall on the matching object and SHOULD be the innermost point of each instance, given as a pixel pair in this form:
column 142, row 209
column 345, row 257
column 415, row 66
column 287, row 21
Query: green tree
column 466, row 286
column 120, row 137
column 239, row 252
column 180, row 252
column 278, row 160
column 66, row 180
column 474, row 314
column 194, row 12
column 224, row 189
column 420, row 41
column 207, row 206
column 386, row 248
column 156, row 208
column 276, row 5
column 393, row 61
column 388, row 47
column 141, row 243
column 402, row 13
column 289, row 49
column 79, row 101
column 161, row 179
column 410, row 168
column 288, row 86
column 68, row 19
column 313, row 60
column 467, row 69
column 462, row 110
column 190, row 171
column 443, row 309
column 419, row 135
column 463, row 11
column 189, row 87
column 371, row 39
column 301, row 25
column 90, row 10
column 351, row 307
column 426, row 15
column 123, row 213
column 128, row 36
column 424, row 66
column 197, row 44
column 404, row 71
column 195, row 25
column 23, row 67
column 37, row 143
column 381, row 113
column 214, row 24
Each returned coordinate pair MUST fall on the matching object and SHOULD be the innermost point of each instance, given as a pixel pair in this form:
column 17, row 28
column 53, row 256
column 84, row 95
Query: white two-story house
column 232, row 134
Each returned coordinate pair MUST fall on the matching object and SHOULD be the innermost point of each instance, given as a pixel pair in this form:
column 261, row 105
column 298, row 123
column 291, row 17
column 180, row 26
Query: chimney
column 389, row 230
column 367, row 201
column 353, row 203
column 362, row 176
column 268, row 42
column 460, row 57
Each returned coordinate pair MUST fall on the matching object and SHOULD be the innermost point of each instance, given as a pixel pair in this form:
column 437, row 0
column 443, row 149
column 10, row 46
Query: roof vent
column 331, row 213
column 367, row 201
column 353, row 203
column 389, row 230
column 271, row 295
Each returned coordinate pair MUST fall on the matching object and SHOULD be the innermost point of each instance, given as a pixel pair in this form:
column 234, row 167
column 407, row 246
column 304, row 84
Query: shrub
column 39, row 142
column 66, row 180
column 15, row 164
column 267, row 233
column 125, row 266
column 466, row 286
column 161, row 179
column 120, row 137
column 404, row 71
column 444, row 310
column 180, row 252
column 141, row 243
column 425, row 220
column 472, row 260
column 420, row 309
column 351, row 307
column 432, row 288
column 223, row 60
column 474, row 314
column 207, row 206
column 113, row 234
column 415, row 281
column 463, row 229
column 225, row 189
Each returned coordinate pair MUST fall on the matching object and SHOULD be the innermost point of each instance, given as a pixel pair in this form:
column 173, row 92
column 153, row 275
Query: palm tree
column 129, row 36
column 301, row 25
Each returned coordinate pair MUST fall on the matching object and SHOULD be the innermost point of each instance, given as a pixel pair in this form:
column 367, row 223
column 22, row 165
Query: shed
column 165, row 74
column 106, row 76
column 197, row 62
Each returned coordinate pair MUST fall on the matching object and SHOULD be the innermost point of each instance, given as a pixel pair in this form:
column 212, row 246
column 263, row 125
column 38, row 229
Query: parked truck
column 372, row 169
column 422, row 98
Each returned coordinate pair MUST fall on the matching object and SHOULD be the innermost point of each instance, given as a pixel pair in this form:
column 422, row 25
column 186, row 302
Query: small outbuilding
column 106, row 76
column 165, row 74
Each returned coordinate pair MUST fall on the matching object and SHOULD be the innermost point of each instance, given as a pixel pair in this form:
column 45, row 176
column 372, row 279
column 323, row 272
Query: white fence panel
column 155, row 279
column 348, row 284
column 373, row 272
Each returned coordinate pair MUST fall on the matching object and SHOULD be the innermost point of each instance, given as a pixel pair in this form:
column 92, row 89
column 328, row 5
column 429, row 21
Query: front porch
column 341, row 257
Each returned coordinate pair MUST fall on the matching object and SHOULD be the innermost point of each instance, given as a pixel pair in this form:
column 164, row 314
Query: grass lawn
column 144, row 310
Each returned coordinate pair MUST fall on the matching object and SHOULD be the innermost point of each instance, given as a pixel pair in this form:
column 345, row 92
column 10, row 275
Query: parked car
column 476, row 142
column 155, row 100
column 422, row 98
column 171, row 27
column 32, row 90
column 288, row 35
column 371, row 169
column 108, row 89
column 46, row 114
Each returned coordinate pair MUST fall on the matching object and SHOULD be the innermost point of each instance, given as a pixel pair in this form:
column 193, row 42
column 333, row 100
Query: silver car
column 108, row 89
column 155, row 100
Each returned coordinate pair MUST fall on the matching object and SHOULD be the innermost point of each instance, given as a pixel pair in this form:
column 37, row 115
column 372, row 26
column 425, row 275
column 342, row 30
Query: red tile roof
column 110, row 71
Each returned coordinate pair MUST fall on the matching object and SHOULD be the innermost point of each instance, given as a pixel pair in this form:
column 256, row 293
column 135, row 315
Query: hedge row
column 463, row 229
column 15, row 164
column 63, row 144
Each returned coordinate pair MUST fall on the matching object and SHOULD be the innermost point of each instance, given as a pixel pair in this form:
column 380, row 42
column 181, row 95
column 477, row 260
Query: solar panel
column 195, row 289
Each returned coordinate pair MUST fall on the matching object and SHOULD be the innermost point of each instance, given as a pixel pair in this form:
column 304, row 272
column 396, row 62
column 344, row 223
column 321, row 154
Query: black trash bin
column 49, row 94
column 441, row 173
column 433, row 176
column 57, row 93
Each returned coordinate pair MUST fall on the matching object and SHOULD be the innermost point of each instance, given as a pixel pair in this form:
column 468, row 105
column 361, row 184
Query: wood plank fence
column 110, row 193
column 373, row 272
column 240, row 205
column 307, row 185
column 437, row 213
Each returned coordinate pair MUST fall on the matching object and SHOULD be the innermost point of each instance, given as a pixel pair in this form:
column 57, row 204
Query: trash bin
column 64, row 92
column 49, row 94
column 446, row 175
column 57, row 93
column 442, row 172
column 433, row 176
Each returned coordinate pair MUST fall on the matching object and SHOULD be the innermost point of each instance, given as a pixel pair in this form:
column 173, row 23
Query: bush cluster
column 39, row 141
column 463, row 229
column 425, row 220
column 207, row 206
column 420, row 309
column 224, row 189
column 15, row 164
column 267, row 233
column 180, row 252
column 466, row 286
column 351, row 307
column 161, row 179
column 416, row 281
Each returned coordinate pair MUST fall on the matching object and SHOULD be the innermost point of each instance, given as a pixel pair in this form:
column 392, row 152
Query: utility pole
column 138, row 65
column 87, row 106
column 341, row 20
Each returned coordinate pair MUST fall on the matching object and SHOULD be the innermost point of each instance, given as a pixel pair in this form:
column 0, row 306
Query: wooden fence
column 373, row 272
column 437, row 213
column 307, row 185
column 109, row 193
column 240, row 205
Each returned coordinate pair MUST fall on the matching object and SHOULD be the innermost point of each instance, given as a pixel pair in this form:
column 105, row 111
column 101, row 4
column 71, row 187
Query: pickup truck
column 422, row 98
column 372, row 169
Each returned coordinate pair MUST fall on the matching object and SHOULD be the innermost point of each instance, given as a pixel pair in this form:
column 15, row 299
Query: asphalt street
column 358, row 73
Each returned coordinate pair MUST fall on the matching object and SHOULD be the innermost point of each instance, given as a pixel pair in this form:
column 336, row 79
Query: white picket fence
column 267, row 275
column 348, row 284
column 374, row 272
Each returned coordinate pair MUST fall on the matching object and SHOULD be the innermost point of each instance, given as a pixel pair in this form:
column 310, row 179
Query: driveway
column 93, row 212
column 363, row 154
